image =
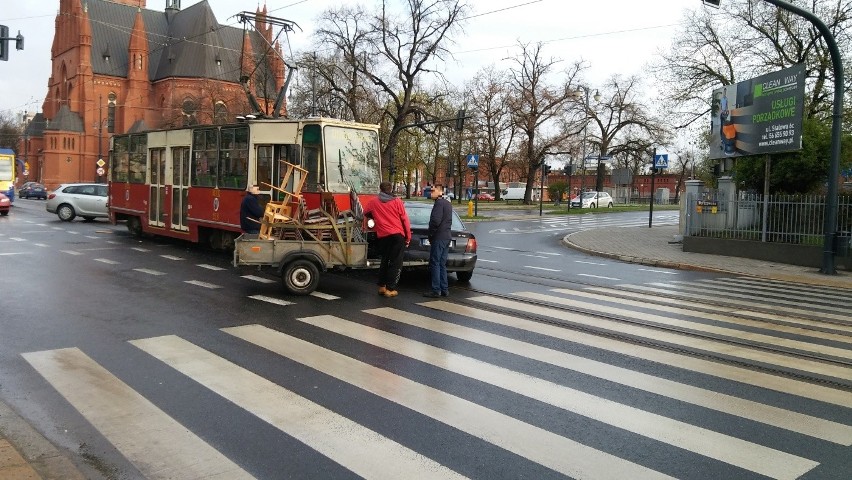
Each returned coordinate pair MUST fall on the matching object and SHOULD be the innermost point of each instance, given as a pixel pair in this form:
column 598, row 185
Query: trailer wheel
column 300, row 277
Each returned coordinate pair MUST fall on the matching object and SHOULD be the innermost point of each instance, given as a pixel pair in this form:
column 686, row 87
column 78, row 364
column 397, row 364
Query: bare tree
column 743, row 40
column 618, row 111
column 539, row 108
column 494, row 130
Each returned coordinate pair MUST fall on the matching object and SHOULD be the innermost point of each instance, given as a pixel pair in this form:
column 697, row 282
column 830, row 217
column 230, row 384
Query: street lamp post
column 597, row 97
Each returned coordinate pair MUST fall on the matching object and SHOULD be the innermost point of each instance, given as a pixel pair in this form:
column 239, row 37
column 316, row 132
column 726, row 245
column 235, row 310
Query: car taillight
column 471, row 245
column 51, row 196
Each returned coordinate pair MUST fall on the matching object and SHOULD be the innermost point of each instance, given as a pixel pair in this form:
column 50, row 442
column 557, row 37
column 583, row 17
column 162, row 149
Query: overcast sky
column 613, row 36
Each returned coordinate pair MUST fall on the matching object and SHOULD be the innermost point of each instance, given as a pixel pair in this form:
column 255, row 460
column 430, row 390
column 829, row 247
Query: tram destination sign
column 759, row 116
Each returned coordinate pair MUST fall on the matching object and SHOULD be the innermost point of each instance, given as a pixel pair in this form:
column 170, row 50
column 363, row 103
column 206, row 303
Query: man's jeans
column 438, row 265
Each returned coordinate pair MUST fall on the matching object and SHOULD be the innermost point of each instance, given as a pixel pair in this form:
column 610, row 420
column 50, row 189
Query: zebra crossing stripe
column 324, row 296
column 148, row 271
column 725, row 448
column 268, row 299
column 642, row 297
column 155, row 443
column 353, row 446
column 812, row 366
column 665, row 289
column 809, row 303
column 202, row 284
column 709, row 316
column 549, row 449
column 738, row 285
column 729, row 372
column 255, row 278
column 755, row 411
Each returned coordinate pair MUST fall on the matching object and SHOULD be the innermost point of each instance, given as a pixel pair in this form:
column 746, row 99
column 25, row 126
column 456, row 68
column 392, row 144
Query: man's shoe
column 431, row 294
column 390, row 293
column 382, row 290
column 445, row 294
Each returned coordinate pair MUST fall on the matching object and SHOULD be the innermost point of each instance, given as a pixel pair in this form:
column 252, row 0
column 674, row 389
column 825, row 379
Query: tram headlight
column 371, row 223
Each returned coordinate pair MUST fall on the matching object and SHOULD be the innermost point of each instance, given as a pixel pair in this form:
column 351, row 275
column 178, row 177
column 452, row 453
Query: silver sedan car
column 87, row 200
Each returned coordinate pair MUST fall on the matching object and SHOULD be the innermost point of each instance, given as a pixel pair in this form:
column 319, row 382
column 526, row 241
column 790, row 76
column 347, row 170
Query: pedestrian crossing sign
column 661, row 160
column 472, row 160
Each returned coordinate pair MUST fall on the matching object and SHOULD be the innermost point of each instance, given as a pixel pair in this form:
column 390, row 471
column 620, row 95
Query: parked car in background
column 5, row 204
column 592, row 200
column 87, row 200
column 32, row 190
column 484, row 196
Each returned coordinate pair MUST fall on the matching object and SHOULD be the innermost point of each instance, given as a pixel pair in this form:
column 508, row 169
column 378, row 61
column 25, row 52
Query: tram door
column 271, row 169
column 157, row 206
column 180, row 187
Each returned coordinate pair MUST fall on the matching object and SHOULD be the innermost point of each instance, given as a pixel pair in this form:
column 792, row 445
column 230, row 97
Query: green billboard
column 759, row 116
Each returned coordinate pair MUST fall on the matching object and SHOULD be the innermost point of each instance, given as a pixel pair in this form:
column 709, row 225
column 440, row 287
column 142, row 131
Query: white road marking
column 657, row 271
column 533, row 256
column 486, row 261
column 160, row 447
column 590, row 263
column 202, row 284
column 107, row 261
column 542, row 268
column 140, row 249
column 597, row 276
column 539, row 445
column 729, row 404
column 324, row 296
column 209, row 267
column 276, row 301
column 171, row 257
column 71, row 252
column 258, row 279
column 361, row 450
column 149, row 272
column 549, row 253
column 16, row 253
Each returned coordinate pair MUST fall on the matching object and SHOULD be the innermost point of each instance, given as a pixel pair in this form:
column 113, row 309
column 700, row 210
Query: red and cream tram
column 188, row 183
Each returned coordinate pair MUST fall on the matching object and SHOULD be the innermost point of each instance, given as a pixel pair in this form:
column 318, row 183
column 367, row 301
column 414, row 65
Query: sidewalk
column 26, row 455
column 655, row 247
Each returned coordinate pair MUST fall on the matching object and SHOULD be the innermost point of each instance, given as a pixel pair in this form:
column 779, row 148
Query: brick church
column 119, row 67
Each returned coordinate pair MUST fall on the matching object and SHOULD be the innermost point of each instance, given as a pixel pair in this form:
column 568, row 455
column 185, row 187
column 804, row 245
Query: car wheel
column 464, row 276
column 66, row 212
column 4, row 212
column 592, row 205
column 300, row 277
column 23, row 196
column 610, row 205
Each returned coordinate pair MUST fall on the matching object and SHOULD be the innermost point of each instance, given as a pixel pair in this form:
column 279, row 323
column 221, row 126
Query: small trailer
column 299, row 251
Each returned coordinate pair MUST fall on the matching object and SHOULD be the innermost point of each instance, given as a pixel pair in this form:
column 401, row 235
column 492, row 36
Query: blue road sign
column 661, row 160
column 472, row 160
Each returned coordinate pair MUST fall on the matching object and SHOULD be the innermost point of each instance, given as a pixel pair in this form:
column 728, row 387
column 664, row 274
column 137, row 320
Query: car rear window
column 419, row 217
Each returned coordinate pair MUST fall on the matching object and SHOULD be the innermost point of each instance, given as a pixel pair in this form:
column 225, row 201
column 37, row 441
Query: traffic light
column 4, row 43
column 546, row 169
column 19, row 41
column 460, row 121
column 569, row 169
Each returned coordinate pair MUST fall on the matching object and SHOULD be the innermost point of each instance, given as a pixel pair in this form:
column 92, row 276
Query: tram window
column 233, row 158
column 120, row 159
column 138, row 163
column 353, row 159
column 204, row 158
column 264, row 164
column 313, row 164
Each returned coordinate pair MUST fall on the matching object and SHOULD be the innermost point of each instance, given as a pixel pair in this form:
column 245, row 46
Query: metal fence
column 797, row 219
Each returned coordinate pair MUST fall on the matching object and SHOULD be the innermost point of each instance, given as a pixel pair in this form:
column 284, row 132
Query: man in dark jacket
column 393, row 232
column 251, row 211
column 440, row 223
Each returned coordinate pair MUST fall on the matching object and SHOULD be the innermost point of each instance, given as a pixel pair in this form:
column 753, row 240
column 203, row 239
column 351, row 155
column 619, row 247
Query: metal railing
column 796, row 219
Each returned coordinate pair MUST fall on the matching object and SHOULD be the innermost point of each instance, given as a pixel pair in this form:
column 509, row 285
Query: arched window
column 111, row 112
column 189, row 107
column 220, row 113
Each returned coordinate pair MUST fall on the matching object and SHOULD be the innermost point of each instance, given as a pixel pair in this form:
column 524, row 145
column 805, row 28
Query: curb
column 42, row 460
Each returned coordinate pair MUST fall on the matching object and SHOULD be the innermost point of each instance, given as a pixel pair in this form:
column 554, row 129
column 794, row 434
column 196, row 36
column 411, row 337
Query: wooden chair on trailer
column 279, row 212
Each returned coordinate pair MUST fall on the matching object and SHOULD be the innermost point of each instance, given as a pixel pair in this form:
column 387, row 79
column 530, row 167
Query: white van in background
column 517, row 193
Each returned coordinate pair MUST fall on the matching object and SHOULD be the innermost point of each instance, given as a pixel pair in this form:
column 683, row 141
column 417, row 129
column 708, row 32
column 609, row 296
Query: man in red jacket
column 393, row 230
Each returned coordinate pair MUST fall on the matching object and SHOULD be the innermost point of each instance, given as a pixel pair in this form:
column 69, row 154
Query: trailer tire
column 300, row 276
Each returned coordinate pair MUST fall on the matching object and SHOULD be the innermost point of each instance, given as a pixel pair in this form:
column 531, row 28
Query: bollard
column 470, row 208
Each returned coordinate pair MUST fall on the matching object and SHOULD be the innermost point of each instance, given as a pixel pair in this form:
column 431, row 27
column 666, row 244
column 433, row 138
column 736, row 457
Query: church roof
column 181, row 43
column 66, row 121
column 36, row 126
